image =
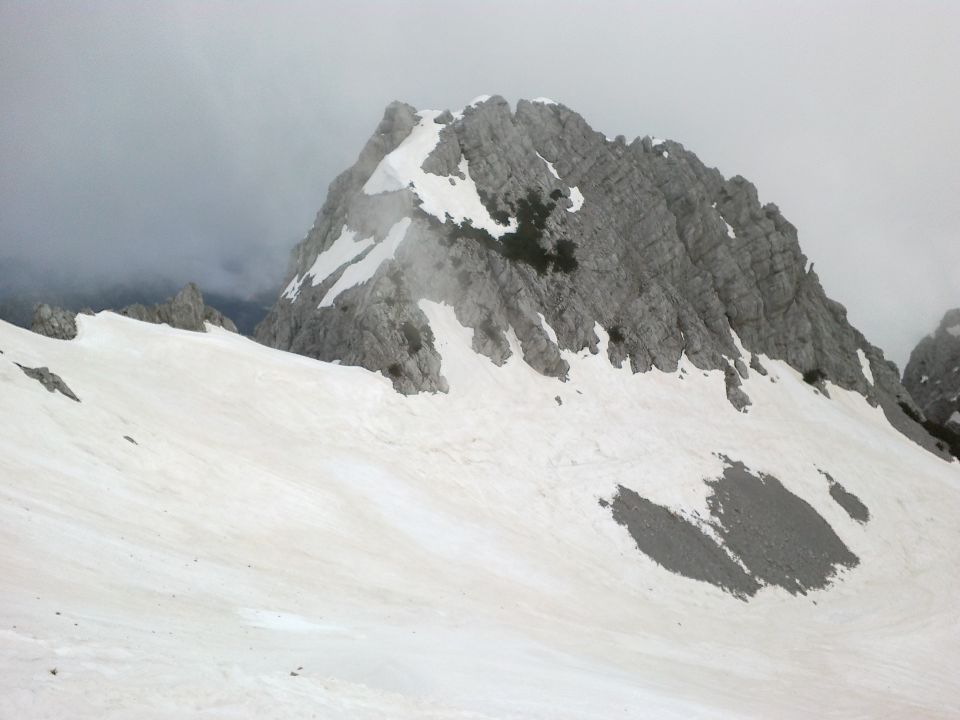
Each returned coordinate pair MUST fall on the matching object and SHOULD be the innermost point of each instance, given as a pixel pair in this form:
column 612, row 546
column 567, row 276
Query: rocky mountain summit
column 186, row 311
column 545, row 235
column 932, row 374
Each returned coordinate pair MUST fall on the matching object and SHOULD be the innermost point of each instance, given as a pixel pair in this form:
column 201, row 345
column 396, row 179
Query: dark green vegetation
column 523, row 245
column 501, row 217
column 812, row 377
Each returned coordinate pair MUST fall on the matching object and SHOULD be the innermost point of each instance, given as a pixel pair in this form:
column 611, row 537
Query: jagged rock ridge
column 186, row 311
column 530, row 222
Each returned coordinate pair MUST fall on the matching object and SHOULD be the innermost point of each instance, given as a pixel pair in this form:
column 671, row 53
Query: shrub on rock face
column 395, row 370
column 564, row 260
column 523, row 245
column 812, row 377
column 616, row 334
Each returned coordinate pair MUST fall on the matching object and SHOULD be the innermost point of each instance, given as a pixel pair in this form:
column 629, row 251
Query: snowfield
column 285, row 538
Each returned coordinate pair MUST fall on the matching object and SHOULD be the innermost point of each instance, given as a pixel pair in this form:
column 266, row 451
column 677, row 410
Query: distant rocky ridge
column 18, row 301
column 530, row 222
column 932, row 375
column 185, row 311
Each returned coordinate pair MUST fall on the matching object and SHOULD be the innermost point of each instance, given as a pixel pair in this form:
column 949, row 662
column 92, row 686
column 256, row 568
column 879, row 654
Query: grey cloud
column 196, row 140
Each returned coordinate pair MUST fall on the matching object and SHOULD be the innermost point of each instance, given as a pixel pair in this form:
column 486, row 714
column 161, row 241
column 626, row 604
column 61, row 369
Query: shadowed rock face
column 932, row 374
column 767, row 536
column 663, row 250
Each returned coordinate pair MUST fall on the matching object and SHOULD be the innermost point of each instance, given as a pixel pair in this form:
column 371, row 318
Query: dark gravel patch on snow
column 768, row 535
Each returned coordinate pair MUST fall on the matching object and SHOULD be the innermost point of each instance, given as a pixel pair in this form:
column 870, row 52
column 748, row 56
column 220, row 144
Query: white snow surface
column 438, row 556
column 544, row 101
column 551, row 333
column 730, row 231
column 550, row 167
column 345, row 249
column 954, row 330
column 954, row 418
column 361, row 271
column 440, row 196
column 576, row 197
column 865, row 365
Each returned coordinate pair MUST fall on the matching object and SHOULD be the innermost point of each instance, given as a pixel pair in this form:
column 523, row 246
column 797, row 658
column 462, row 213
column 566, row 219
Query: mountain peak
column 530, row 224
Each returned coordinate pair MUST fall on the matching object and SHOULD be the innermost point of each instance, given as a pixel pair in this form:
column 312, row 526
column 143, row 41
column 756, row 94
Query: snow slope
column 438, row 556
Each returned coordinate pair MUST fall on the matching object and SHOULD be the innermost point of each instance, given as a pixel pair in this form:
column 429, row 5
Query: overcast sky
column 197, row 140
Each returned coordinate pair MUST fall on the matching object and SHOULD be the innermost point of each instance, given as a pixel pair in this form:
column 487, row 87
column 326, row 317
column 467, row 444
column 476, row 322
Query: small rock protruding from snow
column 51, row 381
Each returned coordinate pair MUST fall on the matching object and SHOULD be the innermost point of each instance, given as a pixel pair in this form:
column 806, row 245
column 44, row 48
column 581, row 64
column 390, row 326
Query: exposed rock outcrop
column 185, row 311
column 54, row 322
column 51, row 381
column 932, row 374
column 513, row 216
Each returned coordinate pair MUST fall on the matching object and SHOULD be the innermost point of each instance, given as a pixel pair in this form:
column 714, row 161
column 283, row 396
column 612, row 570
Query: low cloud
column 197, row 140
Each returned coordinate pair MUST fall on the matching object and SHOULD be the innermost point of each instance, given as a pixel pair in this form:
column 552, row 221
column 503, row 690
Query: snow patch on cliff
column 443, row 197
column 345, row 249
